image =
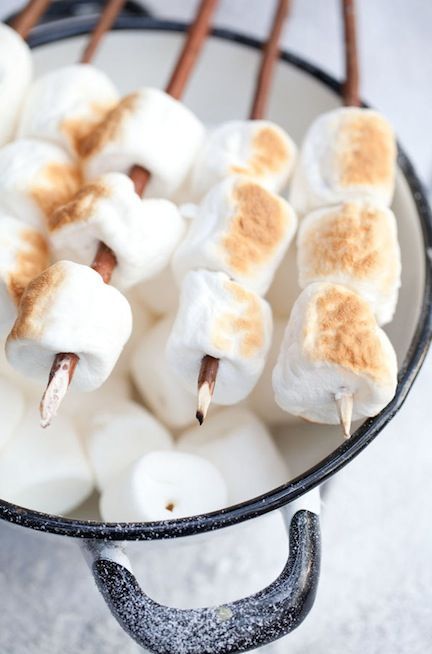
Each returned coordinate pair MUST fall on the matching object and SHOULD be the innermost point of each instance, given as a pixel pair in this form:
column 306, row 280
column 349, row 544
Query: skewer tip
column 345, row 404
column 60, row 377
column 204, row 401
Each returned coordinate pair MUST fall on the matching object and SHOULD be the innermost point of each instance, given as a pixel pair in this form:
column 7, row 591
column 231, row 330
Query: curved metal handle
column 235, row 627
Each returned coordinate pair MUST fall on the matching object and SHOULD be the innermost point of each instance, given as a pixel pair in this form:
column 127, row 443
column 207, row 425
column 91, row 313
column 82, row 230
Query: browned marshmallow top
column 33, row 258
column 269, row 153
column 54, row 186
column 80, row 207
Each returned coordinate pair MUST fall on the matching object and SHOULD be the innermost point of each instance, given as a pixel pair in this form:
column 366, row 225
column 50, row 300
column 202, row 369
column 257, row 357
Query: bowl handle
column 235, row 627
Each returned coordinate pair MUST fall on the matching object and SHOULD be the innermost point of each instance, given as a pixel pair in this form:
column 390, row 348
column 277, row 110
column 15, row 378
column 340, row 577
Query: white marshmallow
column 163, row 486
column 64, row 105
column 257, row 149
column 142, row 321
column 150, row 129
column 219, row 317
column 45, row 469
column 348, row 153
column 241, row 447
column 141, row 233
column 68, row 308
column 241, row 229
column 354, row 244
column 157, row 383
column 12, row 405
column 119, row 436
column 35, row 178
column 333, row 346
column 24, row 254
column 16, row 69
column 160, row 294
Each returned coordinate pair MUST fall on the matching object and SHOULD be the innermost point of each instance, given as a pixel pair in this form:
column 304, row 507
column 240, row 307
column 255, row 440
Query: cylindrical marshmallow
column 241, row 447
column 332, row 347
column 141, row 233
column 354, row 244
column 68, row 308
column 242, row 229
column 64, row 105
column 150, row 129
column 157, row 383
column 16, row 69
column 160, row 294
column 163, row 486
column 257, row 149
column 142, row 321
column 120, row 435
column 24, row 254
column 45, row 469
column 219, row 317
column 35, row 178
column 12, row 403
column 348, row 153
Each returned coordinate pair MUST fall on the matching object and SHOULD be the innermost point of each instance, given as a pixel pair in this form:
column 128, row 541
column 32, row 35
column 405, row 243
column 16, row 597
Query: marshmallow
column 64, row 105
column 45, row 469
column 347, row 154
column 241, row 447
column 163, row 486
column 332, row 347
column 68, row 308
column 257, row 149
column 241, row 229
column 16, row 69
column 158, row 385
column 142, row 321
column 150, row 129
column 160, row 294
column 119, row 436
column 141, row 233
column 218, row 317
column 23, row 255
column 12, row 405
column 353, row 244
column 35, row 178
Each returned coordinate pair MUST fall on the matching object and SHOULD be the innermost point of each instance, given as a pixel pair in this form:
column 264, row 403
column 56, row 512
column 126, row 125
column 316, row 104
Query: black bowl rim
column 319, row 473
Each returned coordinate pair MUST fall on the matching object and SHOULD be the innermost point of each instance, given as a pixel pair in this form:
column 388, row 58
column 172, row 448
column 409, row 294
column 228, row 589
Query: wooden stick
column 345, row 404
column 352, row 78
column 206, row 383
column 104, row 24
column 60, row 377
column 29, row 16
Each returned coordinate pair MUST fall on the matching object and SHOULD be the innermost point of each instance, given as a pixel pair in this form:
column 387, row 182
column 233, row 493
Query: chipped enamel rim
column 331, row 464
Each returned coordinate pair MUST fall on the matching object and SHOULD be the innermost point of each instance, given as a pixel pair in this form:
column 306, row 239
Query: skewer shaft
column 352, row 78
column 104, row 24
column 29, row 16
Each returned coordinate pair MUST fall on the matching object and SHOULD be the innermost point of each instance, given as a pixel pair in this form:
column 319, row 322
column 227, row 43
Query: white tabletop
column 375, row 591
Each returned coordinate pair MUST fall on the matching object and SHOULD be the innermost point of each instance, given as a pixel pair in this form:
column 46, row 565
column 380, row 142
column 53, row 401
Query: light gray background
column 376, row 587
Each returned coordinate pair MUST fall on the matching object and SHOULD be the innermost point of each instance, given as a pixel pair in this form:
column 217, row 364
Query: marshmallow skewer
column 29, row 16
column 104, row 24
column 64, row 364
column 210, row 365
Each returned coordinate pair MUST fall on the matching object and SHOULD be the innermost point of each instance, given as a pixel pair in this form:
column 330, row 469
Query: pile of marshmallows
column 212, row 223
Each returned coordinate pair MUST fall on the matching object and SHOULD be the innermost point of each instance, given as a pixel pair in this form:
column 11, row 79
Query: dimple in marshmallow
column 16, row 69
column 348, row 153
column 12, row 404
column 35, row 178
column 257, row 149
column 163, row 486
column 150, row 129
column 354, row 244
column 333, row 347
column 141, row 233
column 68, row 308
column 24, row 253
column 241, row 447
column 220, row 318
column 242, row 229
column 64, row 105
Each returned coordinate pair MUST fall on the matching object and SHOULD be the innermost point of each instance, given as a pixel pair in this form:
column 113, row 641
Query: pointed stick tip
column 344, row 402
column 200, row 417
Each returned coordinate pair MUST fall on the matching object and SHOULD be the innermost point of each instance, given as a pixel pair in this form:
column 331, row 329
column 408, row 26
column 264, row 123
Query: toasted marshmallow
column 333, row 346
column 163, row 486
column 64, row 105
column 12, row 404
column 219, row 317
column 150, row 129
column 347, row 154
column 45, row 469
column 120, row 435
column 241, row 229
column 257, row 149
column 16, row 69
column 24, row 254
column 68, row 308
column 35, row 178
column 354, row 244
column 241, row 447
column 160, row 294
column 141, row 233
column 157, row 383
